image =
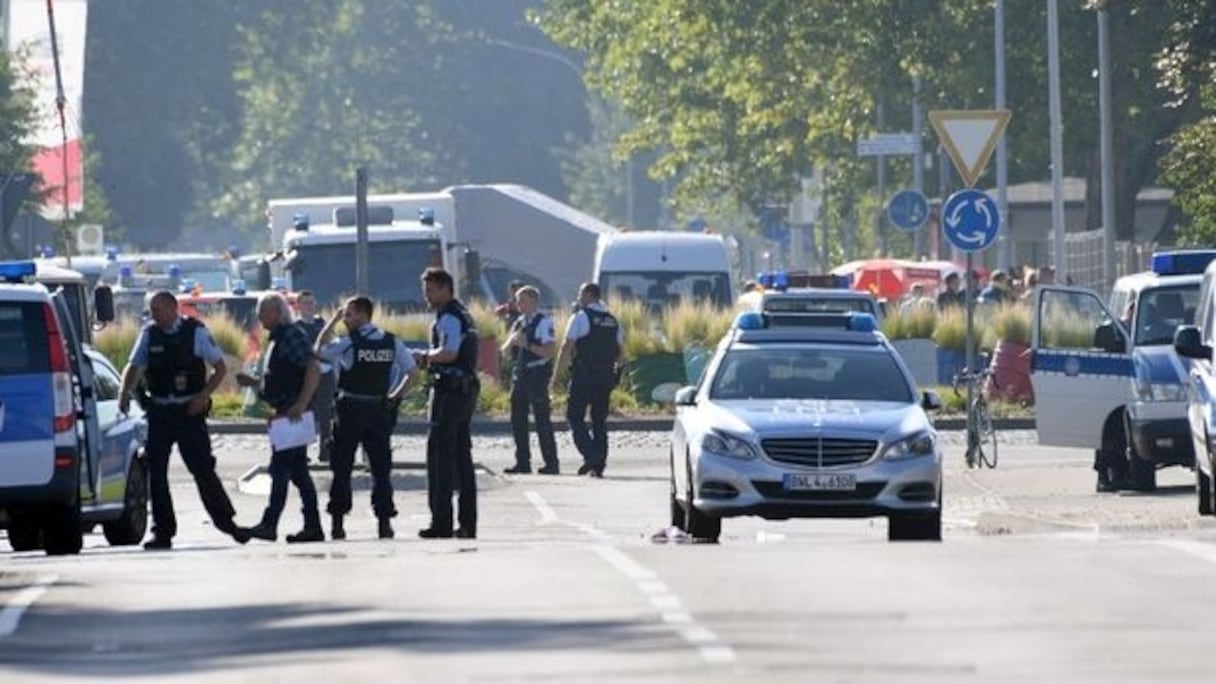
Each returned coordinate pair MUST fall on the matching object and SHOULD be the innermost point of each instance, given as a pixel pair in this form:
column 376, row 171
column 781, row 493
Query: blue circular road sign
column 970, row 220
column 908, row 210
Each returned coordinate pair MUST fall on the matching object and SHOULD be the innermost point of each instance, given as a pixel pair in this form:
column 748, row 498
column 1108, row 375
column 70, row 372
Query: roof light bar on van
column 18, row 271
column 855, row 321
column 1182, row 262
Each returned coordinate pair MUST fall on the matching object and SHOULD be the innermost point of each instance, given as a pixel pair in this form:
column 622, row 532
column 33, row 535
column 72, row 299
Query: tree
column 18, row 120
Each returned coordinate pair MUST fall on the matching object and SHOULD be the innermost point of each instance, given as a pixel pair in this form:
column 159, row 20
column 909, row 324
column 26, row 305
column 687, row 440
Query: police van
column 70, row 459
column 1106, row 376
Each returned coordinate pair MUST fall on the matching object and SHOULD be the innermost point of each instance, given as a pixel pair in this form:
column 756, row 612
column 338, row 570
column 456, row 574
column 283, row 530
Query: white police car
column 68, row 458
column 806, row 416
column 1108, row 382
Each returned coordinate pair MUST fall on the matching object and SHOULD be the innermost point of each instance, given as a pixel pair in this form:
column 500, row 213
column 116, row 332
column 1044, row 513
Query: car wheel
column 61, row 531
column 24, row 534
column 130, row 527
column 1141, row 474
column 917, row 527
column 697, row 524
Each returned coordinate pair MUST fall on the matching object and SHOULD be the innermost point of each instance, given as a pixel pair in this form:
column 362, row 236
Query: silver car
column 816, row 421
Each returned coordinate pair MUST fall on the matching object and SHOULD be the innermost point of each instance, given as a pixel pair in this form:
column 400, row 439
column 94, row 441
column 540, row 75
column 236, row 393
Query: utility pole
column 880, row 223
column 918, row 162
column 1108, row 149
column 1004, row 251
column 362, row 277
column 1057, row 140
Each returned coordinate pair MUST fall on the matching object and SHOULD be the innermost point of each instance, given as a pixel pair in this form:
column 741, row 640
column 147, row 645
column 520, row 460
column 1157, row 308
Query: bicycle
column 981, row 431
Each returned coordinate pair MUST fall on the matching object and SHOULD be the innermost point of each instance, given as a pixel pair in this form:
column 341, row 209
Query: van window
column 23, row 347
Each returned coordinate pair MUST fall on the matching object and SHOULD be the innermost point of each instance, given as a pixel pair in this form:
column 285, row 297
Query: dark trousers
column 530, row 390
column 323, row 409
column 449, row 451
column 365, row 423
column 291, row 465
column 169, row 425
column 588, row 392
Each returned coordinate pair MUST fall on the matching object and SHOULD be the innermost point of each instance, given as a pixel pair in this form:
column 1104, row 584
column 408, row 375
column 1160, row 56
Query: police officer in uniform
column 530, row 350
column 374, row 371
column 452, row 363
column 323, row 401
column 288, row 385
column 173, row 352
column 594, row 339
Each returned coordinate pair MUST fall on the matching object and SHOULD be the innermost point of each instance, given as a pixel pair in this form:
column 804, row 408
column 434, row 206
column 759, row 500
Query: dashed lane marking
column 10, row 617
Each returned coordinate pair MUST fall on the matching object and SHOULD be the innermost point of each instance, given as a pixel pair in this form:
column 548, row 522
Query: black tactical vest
column 597, row 350
column 371, row 365
column 466, row 358
column 283, row 379
column 173, row 369
column 524, row 357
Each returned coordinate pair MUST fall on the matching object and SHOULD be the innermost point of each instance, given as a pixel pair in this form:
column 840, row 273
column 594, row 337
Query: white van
column 663, row 268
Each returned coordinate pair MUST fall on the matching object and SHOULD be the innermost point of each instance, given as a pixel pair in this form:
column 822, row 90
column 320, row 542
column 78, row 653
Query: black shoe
column 432, row 533
column 597, row 473
column 241, row 535
column 263, row 531
column 158, row 544
column 518, row 469
column 386, row 529
column 336, row 530
column 306, row 535
column 549, row 470
column 462, row 533
column 584, row 469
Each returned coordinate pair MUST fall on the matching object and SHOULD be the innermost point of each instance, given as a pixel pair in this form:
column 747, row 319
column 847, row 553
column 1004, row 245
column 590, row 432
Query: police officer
column 323, row 401
column 173, row 352
column 530, row 350
column 452, row 363
column 374, row 371
column 594, row 339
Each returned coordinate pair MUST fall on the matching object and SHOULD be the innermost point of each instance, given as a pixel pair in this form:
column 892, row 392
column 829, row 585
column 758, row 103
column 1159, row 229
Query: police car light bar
column 17, row 271
column 1182, row 262
column 854, row 321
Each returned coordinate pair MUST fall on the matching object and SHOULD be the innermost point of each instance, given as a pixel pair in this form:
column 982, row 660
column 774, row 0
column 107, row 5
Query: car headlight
column 726, row 444
column 1159, row 391
column 921, row 444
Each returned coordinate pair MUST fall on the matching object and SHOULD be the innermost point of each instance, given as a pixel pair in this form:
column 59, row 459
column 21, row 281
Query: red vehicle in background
column 238, row 305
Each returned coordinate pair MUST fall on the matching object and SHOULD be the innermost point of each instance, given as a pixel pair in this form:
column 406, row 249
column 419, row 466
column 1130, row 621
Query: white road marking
column 547, row 514
column 671, row 608
column 1200, row 550
column 10, row 617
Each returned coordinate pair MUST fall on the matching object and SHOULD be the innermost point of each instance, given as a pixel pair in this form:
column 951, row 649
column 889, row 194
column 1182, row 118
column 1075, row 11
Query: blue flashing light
column 48, row 252
column 781, row 281
column 299, row 221
column 765, row 280
column 750, row 320
column 174, row 271
column 238, row 287
column 111, row 253
column 17, row 271
column 862, row 322
column 426, row 216
column 1182, row 262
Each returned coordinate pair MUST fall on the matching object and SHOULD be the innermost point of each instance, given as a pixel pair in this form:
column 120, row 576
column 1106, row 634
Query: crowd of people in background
column 1001, row 287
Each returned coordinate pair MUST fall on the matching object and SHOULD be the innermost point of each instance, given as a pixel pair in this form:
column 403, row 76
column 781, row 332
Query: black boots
column 336, row 530
column 386, row 529
column 312, row 531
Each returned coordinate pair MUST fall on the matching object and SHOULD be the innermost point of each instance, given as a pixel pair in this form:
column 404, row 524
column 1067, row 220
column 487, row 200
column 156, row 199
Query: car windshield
column 1161, row 310
column 394, row 271
column 770, row 372
column 661, row 288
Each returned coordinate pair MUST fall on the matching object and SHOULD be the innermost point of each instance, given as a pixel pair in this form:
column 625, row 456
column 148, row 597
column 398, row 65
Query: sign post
column 970, row 218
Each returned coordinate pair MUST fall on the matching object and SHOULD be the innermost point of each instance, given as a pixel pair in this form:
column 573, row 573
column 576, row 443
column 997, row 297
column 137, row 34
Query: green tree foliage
column 18, row 119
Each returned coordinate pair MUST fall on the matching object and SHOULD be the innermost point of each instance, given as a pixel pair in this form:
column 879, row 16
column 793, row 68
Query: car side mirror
column 686, row 396
column 930, row 401
column 1188, row 344
column 1108, row 339
column 103, row 304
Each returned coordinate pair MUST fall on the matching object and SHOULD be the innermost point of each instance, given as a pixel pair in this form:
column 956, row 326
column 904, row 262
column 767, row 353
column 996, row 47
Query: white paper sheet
column 288, row 434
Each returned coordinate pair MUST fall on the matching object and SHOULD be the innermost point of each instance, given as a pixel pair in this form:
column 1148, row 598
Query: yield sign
column 969, row 137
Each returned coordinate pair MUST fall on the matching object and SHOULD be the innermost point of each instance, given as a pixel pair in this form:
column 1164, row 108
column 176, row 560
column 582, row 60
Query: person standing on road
column 452, row 363
column 290, row 380
column 593, row 343
column 323, row 401
column 374, row 371
column 530, row 350
column 173, row 353
column 508, row 311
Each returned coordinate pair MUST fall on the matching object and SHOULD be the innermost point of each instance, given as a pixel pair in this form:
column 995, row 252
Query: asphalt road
column 573, row 579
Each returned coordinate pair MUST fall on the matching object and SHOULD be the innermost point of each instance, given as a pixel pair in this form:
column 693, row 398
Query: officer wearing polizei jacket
column 530, row 350
column 173, row 352
column 452, row 363
column 288, row 385
column 374, row 371
column 594, row 338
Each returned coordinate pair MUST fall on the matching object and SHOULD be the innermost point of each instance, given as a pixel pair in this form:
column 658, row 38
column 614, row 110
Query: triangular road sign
column 969, row 137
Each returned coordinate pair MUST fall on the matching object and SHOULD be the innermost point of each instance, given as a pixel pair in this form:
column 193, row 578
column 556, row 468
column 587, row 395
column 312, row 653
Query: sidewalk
column 501, row 425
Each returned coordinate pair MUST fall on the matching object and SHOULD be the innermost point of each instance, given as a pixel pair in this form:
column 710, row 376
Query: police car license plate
column 835, row 482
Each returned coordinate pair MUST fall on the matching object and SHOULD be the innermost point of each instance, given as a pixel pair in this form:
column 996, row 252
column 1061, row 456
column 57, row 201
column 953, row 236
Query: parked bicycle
column 981, row 431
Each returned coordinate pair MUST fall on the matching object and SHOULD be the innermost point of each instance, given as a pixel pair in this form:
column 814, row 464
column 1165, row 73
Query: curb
column 502, row 426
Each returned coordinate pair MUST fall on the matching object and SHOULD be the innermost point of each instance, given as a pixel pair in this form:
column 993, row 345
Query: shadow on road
column 106, row 644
